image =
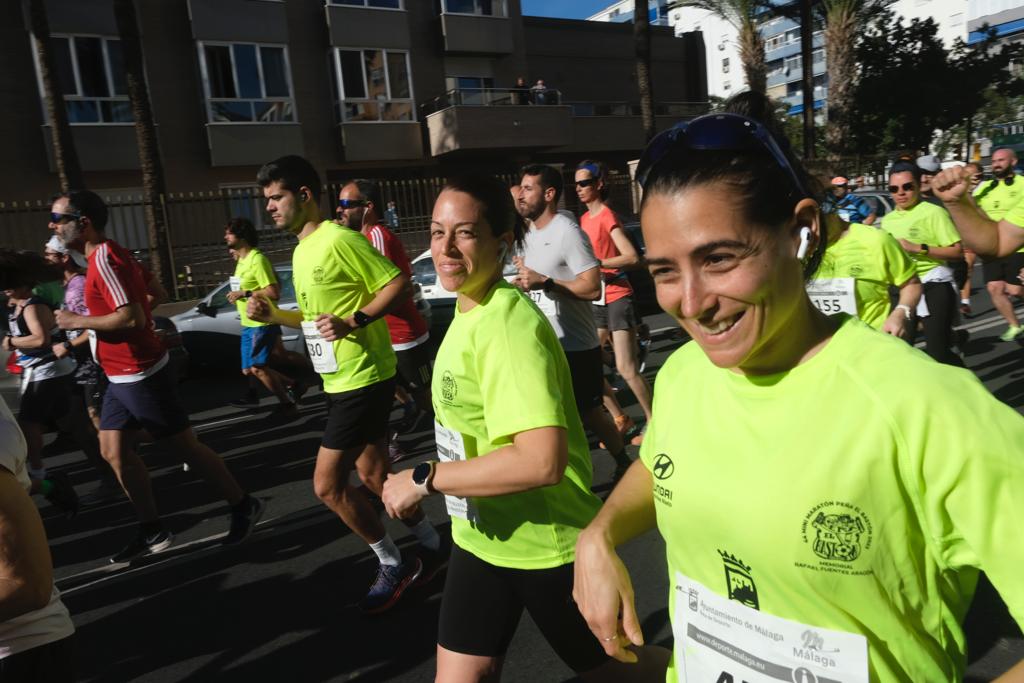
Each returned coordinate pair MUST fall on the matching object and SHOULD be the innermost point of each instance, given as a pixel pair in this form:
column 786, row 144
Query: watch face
column 421, row 472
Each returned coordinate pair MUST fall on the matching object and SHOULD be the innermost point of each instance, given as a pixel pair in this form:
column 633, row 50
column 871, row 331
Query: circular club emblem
column 837, row 531
column 448, row 386
column 318, row 275
column 663, row 466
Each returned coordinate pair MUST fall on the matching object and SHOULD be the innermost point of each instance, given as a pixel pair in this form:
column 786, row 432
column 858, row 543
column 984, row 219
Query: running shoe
column 395, row 451
column 638, row 439
column 434, row 561
column 1012, row 332
column 297, row 390
column 63, row 494
column 965, row 308
column 391, row 582
column 645, row 346
column 144, row 545
column 244, row 519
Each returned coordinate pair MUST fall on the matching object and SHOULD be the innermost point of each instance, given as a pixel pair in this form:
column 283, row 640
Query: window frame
column 335, row 3
column 340, row 84
column 77, row 77
column 208, row 99
column 503, row 15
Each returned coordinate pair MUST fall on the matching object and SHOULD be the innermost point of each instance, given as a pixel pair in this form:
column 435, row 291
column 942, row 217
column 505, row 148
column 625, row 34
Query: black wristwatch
column 66, row 345
column 361, row 319
column 247, row 294
column 423, row 475
column 548, row 285
column 924, row 248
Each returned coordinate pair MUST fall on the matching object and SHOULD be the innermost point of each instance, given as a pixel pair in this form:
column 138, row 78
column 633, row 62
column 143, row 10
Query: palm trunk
column 642, row 42
column 153, row 185
column 69, row 172
column 840, row 29
column 752, row 56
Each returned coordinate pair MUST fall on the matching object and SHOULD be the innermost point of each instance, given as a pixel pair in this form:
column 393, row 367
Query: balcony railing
column 676, row 109
column 487, row 97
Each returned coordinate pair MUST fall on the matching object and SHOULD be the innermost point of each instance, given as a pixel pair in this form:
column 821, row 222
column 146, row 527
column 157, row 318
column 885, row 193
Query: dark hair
column 597, row 170
column 549, row 177
column 243, row 228
column 499, row 211
column 88, row 204
column 370, row 189
column 906, row 167
column 25, row 269
column 764, row 191
column 293, row 172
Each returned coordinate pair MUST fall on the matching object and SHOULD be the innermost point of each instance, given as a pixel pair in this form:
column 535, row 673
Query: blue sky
column 567, row 9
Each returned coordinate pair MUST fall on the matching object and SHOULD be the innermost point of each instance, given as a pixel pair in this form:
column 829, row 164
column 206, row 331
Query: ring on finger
column 610, row 638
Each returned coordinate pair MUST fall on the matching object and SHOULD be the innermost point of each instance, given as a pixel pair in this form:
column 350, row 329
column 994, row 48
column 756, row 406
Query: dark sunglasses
column 64, row 217
column 714, row 132
column 351, row 203
column 905, row 187
column 586, row 182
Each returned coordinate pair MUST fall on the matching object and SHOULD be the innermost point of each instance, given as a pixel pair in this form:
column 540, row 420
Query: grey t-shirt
column 561, row 250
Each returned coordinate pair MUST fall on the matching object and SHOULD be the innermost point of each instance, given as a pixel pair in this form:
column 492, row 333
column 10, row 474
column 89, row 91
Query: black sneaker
column 391, row 582
column 144, row 545
column 63, row 494
column 297, row 390
column 244, row 521
column 434, row 561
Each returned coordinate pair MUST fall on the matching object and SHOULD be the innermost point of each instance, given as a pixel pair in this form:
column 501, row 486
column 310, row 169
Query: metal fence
column 195, row 223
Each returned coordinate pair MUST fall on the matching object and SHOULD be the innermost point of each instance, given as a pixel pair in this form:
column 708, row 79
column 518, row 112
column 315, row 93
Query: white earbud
column 805, row 242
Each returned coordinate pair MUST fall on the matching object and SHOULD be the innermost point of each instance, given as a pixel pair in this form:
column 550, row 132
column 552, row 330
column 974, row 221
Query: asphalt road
column 282, row 606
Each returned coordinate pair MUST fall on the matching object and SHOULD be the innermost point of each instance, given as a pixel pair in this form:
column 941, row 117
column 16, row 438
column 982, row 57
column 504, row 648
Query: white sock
column 387, row 551
column 427, row 535
column 965, row 301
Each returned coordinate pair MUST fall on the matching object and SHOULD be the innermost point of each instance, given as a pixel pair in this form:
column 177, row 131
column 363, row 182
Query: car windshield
column 287, row 286
column 219, row 298
column 423, row 272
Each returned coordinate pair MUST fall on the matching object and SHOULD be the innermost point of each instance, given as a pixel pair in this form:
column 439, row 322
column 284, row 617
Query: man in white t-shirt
column 558, row 270
column 35, row 628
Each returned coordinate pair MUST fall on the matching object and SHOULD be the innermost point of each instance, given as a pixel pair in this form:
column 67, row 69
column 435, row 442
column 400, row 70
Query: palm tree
column 742, row 14
column 69, row 172
column 642, row 41
column 153, row 184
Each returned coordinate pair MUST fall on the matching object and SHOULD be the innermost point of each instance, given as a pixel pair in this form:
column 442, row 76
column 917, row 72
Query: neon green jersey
column 923, row 224
column 996, row 198
column 501, row 371
column 875, row 261
column 860, row 492
column 253, row 272
column 336, row 270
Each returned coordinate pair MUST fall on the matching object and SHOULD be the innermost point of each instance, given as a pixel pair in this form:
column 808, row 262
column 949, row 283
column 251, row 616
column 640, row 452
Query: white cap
column 57, row 244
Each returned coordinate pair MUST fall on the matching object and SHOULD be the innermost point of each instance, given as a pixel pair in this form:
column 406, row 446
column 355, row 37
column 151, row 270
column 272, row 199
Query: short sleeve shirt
column 927, row 224
column 405, row 324
column 561, row 250
column 599, row 229
column 336, row 271
column 875, row 261
column 861, row 491
column 996, row 198
column 254, row 271
column 852, row 209
column 116, row 279
column 500, row 371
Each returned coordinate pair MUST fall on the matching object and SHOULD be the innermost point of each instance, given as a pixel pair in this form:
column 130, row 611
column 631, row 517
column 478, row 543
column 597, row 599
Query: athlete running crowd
column 874, row 482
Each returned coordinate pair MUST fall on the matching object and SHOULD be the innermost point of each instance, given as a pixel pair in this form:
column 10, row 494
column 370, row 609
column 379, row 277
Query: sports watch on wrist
column 423, row 476
column 548, row 285
column 361, row 319
column 247, row 294
column 66, row 345
column 924, row 248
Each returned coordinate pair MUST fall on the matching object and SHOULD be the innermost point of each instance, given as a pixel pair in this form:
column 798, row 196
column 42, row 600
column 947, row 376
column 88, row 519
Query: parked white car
column 442, row 302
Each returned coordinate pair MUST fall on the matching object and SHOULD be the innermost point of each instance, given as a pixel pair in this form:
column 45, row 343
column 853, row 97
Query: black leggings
column 938, row 326
column 50, row 663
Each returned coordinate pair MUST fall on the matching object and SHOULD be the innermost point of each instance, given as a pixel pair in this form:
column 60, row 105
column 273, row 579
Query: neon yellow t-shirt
column 923, row 224
column 253, row 272
column 860, row 492
column 336, row 270
column 997, row 200
column 875, row 261
column 500, row 371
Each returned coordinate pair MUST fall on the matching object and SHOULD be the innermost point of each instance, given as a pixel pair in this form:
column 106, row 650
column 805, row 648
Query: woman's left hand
column 895, row 323
column 401, row 496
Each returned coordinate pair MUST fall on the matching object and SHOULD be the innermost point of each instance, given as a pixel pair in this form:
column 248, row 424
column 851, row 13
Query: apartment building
column 395, row 88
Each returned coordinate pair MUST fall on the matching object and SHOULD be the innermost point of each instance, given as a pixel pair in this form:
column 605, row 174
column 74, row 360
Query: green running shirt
column 501, row 371
column 862, row 491
column 253, row 272
column 923, row 224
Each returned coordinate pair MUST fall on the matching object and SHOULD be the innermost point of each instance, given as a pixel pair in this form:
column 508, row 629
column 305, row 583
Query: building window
column 90, row 76
column 486, row 8
column 373, row 85
column 377, row 4
column 726, row 85
column 725, row 65
column 819, row 55
column 792, row 64
column 774, row 68
column 246, row 83
column 956, row 19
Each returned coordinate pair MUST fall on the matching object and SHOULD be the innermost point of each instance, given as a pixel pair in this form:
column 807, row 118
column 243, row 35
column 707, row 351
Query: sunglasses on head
column 351, row 203
column 715, row 132
column 586, row 182
column 905, row 187
column 64, row 217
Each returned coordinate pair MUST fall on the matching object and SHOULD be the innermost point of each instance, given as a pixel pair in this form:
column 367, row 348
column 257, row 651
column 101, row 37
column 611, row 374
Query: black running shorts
column 358, row 417
column 587, row 378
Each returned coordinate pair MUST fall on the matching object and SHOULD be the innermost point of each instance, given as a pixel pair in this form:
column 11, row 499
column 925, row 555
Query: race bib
column 544, row 302
column 450, row 448
column 321, row 351
column 93, row 344
column 235, row 283
column 833, row 296
column 719, row 639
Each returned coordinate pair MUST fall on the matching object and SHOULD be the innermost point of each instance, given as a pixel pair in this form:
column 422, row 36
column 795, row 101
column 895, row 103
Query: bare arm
column 950, row 253
column 127, row 317
column 155, row 293
column 585, row 286
column 870, row 220
column 39, row 320
column 980, row 234
column 1014, row 675
column 627, row 258
column 26, row 570
column 910, row 294
column 535, row 458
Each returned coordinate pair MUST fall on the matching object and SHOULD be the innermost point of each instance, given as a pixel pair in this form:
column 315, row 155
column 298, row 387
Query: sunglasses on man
column 905, row 187
column 64, row 217
column 351, row 203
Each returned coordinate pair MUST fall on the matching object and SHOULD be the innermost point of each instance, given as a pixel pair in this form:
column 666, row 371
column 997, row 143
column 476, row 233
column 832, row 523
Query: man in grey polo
column 558, row 270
